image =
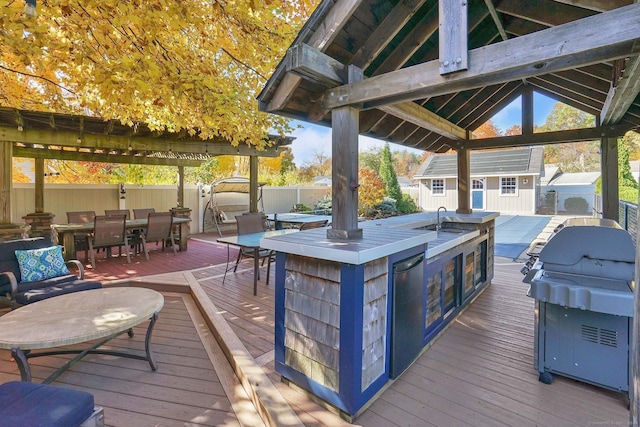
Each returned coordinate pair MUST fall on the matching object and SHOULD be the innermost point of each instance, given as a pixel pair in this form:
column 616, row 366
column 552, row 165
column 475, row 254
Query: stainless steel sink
column 433, row 227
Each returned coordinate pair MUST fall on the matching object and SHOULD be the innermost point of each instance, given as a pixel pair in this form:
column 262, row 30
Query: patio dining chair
column 109, row 232
column 248, row 224
column 134, row 235
column 142, row 213
column 81, row 242
column 112, row 212
column 159, row 229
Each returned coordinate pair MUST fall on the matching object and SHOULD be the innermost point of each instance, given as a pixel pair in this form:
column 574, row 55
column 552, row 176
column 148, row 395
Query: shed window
column 437, row 186
column 509, row 185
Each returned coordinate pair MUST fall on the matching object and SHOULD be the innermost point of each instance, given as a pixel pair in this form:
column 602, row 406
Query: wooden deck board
column 184, row 391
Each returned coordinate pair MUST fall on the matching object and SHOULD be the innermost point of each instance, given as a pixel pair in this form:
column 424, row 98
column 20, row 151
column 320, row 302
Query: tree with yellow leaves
column 175, row 65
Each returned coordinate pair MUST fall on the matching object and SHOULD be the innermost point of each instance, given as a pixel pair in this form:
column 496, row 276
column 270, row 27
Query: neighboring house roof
column 405, row 181
column 322, row 180
column 519, row 161
column 577, row 178
column 550, row 172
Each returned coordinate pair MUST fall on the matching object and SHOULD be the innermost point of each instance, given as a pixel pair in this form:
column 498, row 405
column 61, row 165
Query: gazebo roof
column 72, row 137
column 580, row 52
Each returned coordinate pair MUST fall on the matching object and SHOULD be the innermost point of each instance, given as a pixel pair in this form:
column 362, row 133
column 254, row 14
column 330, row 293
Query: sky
column 312, row 138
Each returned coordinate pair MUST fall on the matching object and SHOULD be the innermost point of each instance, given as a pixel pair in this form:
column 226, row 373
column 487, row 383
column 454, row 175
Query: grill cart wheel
column 545, row 377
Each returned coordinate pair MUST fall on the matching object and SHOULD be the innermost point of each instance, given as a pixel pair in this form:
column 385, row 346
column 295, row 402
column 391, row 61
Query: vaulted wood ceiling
column 37, row 134
column 580, row 52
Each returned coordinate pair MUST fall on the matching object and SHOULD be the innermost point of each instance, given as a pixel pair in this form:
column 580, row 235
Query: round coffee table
column 76, row 318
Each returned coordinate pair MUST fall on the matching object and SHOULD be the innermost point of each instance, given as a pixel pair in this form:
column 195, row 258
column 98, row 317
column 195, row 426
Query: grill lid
column 590, row 250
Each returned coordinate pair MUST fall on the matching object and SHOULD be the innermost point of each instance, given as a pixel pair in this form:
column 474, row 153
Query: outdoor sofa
column 33, row 269
column 42, row 405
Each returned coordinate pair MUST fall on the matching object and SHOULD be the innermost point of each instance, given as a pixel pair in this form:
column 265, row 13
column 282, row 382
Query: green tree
column 625, row 177
column 389, row 177
column 288, row 169
column 565, row 117
column 370, row 158
column 575, row 157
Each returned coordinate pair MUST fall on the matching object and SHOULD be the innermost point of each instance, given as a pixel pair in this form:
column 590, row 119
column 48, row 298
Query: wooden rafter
column 411, row 43
column 622, row 95
column 597, row 5
column 385, row 32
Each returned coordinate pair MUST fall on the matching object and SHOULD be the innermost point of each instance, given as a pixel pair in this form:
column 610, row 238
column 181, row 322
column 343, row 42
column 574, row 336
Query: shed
column 506, row 181
column 581, row 185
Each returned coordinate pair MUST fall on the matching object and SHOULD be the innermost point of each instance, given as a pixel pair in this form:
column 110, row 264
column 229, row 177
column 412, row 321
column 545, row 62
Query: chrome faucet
column 438, row 224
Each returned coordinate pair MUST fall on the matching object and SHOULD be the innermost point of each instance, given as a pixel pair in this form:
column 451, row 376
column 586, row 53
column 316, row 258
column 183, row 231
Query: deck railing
column 627, row 213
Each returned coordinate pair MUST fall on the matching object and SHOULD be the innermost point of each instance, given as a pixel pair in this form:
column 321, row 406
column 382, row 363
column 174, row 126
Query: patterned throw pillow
column 41, row 264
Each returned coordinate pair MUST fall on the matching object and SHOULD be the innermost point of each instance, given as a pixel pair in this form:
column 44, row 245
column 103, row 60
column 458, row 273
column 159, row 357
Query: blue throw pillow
column 41, row 264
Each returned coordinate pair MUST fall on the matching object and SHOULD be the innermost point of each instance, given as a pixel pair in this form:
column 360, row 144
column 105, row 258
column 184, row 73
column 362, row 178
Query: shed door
column 477, row 194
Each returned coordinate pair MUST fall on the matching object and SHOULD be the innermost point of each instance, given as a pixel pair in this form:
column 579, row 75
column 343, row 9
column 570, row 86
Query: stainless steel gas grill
column 583, row 289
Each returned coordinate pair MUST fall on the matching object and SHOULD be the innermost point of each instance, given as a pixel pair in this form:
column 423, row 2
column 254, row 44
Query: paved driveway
column 514, row 233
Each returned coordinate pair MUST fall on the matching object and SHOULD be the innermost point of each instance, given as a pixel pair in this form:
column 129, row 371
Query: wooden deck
column 479, row 372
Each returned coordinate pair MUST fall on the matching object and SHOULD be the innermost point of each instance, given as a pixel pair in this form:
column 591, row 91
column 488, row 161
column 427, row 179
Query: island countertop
column 380, row 238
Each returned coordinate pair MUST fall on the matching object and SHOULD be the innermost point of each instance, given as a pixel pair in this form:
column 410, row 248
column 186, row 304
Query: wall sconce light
column 123, row 192
column 525, row 181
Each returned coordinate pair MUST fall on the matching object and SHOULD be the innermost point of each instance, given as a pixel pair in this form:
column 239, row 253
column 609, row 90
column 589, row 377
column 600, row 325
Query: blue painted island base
column 344, row 330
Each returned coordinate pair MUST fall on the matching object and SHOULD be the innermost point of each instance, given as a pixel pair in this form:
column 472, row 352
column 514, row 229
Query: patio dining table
column 279, row 219
column 63, row 233
column 252, row 242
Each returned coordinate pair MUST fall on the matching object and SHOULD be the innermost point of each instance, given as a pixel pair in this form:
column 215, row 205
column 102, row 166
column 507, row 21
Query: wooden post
column 452, row 36
column 39, row 171
column 344, row 182
column 345, row 126
column 464, row 181
column 527, row 110
column 6, row 154
column 609, row 172
column 253, row 183
column 180, row 186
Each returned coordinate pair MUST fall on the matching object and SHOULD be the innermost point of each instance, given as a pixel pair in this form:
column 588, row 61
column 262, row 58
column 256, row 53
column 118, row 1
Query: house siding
column 523, row 203
column 429, row 202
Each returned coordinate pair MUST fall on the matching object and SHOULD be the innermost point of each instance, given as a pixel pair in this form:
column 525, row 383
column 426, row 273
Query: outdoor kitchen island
column 351, row 315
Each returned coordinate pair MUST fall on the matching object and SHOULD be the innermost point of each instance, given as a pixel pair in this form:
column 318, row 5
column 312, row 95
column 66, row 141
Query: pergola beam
column 40, row 153
column 544, row 138
column 414, row 113
column 566, row 46
column 129, row 143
